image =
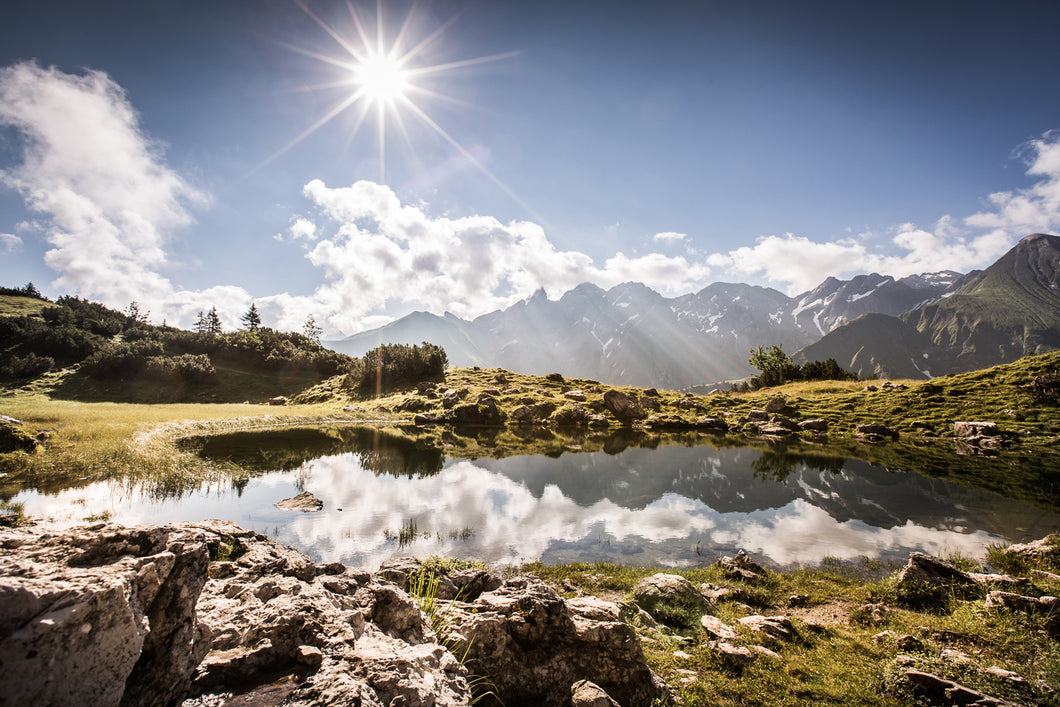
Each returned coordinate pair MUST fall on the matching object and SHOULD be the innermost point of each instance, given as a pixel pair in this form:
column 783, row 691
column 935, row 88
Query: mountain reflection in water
column 672, row 505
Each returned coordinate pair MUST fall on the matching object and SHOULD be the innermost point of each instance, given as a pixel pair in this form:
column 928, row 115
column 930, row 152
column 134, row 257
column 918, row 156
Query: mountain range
column 914, row 327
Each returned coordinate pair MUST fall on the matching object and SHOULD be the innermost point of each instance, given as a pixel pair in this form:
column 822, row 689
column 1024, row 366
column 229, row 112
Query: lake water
column 672, row 505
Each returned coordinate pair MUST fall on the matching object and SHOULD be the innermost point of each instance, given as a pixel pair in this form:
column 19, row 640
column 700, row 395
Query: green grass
column 14, row 306
column 833, row 659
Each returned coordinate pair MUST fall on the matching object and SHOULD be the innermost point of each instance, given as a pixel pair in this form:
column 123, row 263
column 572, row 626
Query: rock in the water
column 278, row 400
column 305, row 502
column 976, row 429
column 874, row 433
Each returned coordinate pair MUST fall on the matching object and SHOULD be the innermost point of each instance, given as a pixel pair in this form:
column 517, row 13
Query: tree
column 311, row 330
column 134, row 313
column 251, row 318
column 775, row 366
column 200, row 323
column 213, row 322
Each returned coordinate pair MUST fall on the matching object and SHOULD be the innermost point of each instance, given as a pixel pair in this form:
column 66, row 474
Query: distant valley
column 914, row 327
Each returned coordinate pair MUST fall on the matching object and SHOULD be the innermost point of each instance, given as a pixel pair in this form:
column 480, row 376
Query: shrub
column 29, row 366
column 396, row 364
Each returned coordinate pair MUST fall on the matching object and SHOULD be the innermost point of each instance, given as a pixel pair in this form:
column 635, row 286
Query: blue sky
column 142, row 149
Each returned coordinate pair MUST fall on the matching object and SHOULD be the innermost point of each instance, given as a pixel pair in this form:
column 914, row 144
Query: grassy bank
column 854, row 630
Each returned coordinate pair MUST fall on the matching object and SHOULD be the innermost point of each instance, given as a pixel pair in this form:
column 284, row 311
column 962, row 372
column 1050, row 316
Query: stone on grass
column 717, row 629
column 588, row 694
column 669, row 590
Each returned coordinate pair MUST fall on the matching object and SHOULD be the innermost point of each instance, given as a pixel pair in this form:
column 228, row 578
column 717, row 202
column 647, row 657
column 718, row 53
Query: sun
column 385, row 80
column 381, row 79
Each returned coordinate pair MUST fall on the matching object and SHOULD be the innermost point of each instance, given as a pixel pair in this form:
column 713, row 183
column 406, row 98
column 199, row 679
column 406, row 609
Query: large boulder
column 661, row 593
column 622, row 407
column 100, row 614
column 534, row 647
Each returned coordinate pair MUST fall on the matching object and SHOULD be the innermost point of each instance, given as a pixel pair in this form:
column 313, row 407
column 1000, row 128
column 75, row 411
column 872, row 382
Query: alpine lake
column 628, row 498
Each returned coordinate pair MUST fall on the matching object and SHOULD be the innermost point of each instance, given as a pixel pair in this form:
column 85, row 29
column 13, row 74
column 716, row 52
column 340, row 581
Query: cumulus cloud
column 106, row 198
column 301, row 229
column 9, row 242
column 951, row 244
column 384, row 251
column 669, row 237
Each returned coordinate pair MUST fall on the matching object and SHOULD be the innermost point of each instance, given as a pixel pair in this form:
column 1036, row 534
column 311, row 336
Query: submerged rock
column 305, row 502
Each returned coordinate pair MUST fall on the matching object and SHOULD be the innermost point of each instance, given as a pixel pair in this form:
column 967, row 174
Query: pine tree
column 311, row 330
column 200, row 323
column 213, row 321
column 251, row 318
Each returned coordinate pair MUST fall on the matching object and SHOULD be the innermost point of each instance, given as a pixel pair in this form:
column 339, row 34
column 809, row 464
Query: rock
column 536, row 646
column 976, row 429
column 588, row 694
column 101, row 611
column 776, row 404
column 942, row 691
column 1045, row 550
column 278, row 400
column 13, row 438
column 798, row 600
column 715, row 593
column 925, row 569
column 426, row 418
column 1050, row 606
column 762, row 650
column 872, row 432
column 883, row 636
column 757, row 416
column 717, row 629
column 742, row 567
column 305, row 502
column 671, row 590
column 871, row 613
column 652, row 404
column 622, row 407
column 353, row 408
column 732, row 654
column 779, row 628
column 910, row 643
column 818, row 424
column 1008, row 675
column 483, row 412
column 712, row 424
column 785, row 422
column 576, row 395
column 572, row 415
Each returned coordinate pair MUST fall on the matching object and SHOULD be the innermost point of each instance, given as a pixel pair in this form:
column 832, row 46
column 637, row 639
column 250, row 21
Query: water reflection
column 626, row 502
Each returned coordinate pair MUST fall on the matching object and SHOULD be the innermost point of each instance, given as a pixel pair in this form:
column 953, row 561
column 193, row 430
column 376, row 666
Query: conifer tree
column 200, row 323
column 213, row 321
column 251, row 318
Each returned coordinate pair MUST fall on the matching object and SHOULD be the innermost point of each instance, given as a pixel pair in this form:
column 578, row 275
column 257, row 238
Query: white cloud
column 669, row 237
column 106, row 197
column 385, row 252
column 9, row 242
column 300, row 229
column 952, row 244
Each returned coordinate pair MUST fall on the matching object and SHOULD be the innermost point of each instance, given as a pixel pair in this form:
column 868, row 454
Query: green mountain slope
column 1007, row 311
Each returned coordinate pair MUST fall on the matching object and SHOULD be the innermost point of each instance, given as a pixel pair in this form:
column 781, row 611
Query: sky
column 357, row 161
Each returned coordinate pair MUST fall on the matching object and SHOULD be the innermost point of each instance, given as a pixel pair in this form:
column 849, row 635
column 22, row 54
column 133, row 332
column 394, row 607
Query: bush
column 191, row 368
column 396, row 364
column 29, row 366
